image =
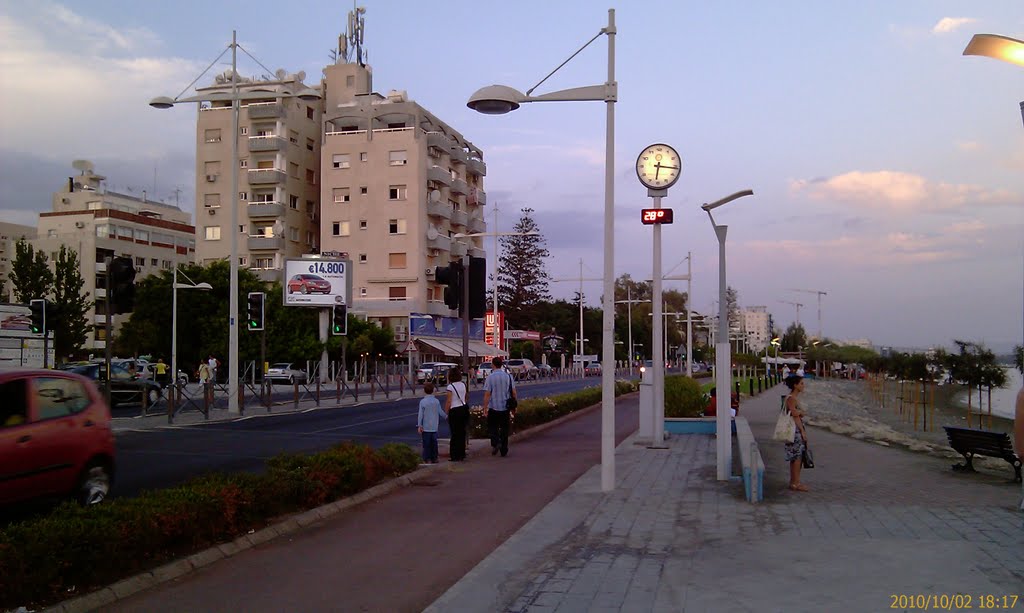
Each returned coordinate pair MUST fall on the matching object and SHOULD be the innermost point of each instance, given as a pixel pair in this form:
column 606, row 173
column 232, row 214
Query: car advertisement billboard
column 316, row 282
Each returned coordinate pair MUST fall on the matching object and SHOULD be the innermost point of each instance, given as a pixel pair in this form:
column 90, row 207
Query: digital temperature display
column 653, row 216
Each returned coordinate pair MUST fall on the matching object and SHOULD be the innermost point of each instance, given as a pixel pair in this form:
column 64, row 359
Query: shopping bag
column 807, row 459
column 785, row 428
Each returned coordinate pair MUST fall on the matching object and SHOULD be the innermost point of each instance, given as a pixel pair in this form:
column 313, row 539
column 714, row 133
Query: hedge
column 684, row 397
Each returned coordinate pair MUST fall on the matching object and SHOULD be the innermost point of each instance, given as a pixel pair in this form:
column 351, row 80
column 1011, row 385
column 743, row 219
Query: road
column 166, row 456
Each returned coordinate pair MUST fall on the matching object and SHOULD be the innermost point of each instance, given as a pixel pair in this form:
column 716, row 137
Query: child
column 430, row 414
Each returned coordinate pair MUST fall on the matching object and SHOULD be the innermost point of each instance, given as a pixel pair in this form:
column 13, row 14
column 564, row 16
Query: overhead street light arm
column 998, row 47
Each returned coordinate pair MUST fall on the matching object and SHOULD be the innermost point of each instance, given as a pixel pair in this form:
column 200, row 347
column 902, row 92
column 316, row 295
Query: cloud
column 969, row 146
column 899, row 192
column 950, row 24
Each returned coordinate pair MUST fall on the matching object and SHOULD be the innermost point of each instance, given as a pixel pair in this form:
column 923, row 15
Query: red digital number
column 655, row 216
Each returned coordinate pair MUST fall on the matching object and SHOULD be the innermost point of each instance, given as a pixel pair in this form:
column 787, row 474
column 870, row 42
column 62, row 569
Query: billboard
column 316, row 282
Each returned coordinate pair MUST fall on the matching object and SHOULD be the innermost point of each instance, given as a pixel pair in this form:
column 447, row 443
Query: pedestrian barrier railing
column 751, row 463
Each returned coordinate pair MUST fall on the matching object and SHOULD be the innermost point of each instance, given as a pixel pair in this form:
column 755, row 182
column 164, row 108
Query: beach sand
column 847, row 407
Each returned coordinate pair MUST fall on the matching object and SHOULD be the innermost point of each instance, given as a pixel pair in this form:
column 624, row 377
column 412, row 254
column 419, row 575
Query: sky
column 887, row 168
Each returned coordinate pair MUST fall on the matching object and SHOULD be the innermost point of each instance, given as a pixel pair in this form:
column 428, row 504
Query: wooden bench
column 970, row 443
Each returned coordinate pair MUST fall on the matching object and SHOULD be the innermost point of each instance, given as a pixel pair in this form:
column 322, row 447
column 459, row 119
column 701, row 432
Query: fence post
column 295, row 391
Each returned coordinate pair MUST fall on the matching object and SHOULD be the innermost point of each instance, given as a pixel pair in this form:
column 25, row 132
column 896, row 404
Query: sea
column 1003, row 398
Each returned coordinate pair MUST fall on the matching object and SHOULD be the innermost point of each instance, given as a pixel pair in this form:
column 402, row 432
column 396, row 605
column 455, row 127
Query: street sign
column 410, row 347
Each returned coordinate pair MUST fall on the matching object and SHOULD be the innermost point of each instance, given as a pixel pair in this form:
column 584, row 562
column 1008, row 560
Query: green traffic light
column 35, row 329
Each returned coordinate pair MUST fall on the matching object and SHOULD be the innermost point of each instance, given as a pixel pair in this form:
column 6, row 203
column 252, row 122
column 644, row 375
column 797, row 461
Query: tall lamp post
column 175, row 286
column 501, row 99
column 723, row 362
column 235, row 96
column 629, row 302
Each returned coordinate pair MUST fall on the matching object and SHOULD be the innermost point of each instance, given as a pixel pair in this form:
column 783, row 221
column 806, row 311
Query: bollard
column 318, row 391
column 755, row 485
column 295, row 390
column 207, row 392
column 751, row 387
column 170, row 403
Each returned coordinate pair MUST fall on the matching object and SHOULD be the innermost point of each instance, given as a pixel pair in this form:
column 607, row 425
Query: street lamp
column 175, row 286
column 501, row 99
column 235, row 97
column 629, row 302
column 723, row 368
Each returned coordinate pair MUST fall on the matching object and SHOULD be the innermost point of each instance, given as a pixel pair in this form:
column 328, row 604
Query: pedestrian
column 212, row 363
column 203, row 374
column 498, row 389
column 795, row 450
column 161, row 372
column 427, row 419
column 457, row 408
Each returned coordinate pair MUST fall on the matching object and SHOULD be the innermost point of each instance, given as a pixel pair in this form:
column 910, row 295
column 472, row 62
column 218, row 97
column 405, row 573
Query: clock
column 655, row 216
column 658, row 167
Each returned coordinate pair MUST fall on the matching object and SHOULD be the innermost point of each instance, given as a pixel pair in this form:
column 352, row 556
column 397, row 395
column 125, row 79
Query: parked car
column 55, row 437
column 124, row 386
column 522, row 369
column 545, row 370
column 306, row 283
column 436, row 372
column 483, row 371
column 592, row 369
column 286, row 372
column 147, row 370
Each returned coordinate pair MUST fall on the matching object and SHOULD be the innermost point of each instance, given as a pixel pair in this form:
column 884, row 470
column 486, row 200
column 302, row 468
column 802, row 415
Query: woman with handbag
column 795, row 451
column 457, row 408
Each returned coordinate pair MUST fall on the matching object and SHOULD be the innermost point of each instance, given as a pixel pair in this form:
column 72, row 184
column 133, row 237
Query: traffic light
column 451, row 277
column 477, row 287
column 254, row 317
column 121, row 284
column 38, row 308
column 339, row 320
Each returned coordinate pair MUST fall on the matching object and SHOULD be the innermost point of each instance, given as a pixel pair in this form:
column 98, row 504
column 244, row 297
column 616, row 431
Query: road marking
column 363, row 423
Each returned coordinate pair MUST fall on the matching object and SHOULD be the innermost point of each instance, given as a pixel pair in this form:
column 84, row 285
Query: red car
column 55, row 437
column 308, row 284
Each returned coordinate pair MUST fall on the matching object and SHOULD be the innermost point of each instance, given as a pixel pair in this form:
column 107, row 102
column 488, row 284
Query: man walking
column 498, row 389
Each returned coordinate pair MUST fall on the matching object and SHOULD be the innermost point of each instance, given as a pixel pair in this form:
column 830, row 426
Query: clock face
column 658, row 167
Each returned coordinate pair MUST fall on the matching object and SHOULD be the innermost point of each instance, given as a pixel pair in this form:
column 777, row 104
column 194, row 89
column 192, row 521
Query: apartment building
column 278, row 175
column 97, row 224
column 10, row 234
column 397, row 185
column 755, row 322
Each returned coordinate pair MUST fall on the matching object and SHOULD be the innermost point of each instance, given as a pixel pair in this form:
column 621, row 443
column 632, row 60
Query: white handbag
column 785, row 428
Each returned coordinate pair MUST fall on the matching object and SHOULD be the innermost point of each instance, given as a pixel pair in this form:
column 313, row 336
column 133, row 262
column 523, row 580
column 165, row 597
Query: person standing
column 427, row 419
column 498, row 388
column 161, row 372
column 212, row 364
column 457, row 408
column 795, row 450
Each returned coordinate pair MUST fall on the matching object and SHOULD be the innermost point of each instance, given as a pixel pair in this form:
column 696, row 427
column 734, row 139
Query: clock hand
column 657, row 170
column 660, row 165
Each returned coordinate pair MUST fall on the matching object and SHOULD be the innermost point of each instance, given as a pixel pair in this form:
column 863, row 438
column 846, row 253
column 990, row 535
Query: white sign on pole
column 320, row 282
column 411, row 347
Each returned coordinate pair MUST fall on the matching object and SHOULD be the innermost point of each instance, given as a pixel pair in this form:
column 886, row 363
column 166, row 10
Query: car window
column 58, row 397
column 13, row 403
column 119, row 373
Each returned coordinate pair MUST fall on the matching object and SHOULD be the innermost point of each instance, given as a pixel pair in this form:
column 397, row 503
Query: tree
column 70, row 308
column 522, row 274
column 732, row 307
column 1018, row 358
column 794, row 338
column 30, row 274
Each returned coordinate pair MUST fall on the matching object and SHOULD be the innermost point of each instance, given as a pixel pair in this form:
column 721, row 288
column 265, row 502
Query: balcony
column 437, row 139
column 441, row 242
column 441, row 175
column 272, row 142
column 459, row 249
column 476, row 196
column 476, row 166
column 439, row 209
column 459, row 218
column 265, row 110
column 459, row 187
column 458, row 154
column 476, row 224
column 476, row 252
column 266, row 209
column 266, row 176
column 265, row 243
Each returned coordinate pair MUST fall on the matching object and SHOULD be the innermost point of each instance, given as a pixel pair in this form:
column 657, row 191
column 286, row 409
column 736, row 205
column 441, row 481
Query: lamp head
column 997, row 47
column 726, row 200
column 161, row 102
column 496, row 100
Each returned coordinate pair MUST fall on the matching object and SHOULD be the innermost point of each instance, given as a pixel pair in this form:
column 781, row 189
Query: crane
column 820, row 294
column 797, row 305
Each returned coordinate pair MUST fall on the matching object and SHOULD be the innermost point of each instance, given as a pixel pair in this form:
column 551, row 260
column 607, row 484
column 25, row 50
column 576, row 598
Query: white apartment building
column 754, row 322
column 278, row 175
column 397, row 184
column 10, row 234
column 96, row 223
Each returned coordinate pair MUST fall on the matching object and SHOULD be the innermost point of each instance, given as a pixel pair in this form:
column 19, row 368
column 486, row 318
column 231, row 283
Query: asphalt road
column 167, row 456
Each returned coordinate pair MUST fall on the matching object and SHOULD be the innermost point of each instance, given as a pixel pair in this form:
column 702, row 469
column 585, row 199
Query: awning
column 453, row 347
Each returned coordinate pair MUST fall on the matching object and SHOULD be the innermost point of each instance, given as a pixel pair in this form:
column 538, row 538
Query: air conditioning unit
column 429, row 272
column 79, row 224
column 211, row 211
column 434, row 253
column 211, row 178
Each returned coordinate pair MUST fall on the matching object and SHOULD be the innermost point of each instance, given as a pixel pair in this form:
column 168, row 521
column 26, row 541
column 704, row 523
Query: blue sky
column 888, row 169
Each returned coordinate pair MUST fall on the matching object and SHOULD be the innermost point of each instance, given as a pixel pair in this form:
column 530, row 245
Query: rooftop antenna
column 356, row 29
column 82, row 166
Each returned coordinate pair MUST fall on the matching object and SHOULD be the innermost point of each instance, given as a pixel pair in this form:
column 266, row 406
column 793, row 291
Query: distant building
column 10, row 234
column 755, row 323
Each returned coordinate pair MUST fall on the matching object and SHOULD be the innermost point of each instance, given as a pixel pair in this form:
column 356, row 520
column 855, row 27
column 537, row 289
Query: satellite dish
column 300, row 76
column 83, row 166
column 435, row 195
column 280, row 73
column 431, row 232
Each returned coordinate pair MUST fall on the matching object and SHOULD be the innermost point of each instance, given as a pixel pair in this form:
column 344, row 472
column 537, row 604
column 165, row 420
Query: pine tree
column 70, row 308
column 30, row 275
column 522, row 271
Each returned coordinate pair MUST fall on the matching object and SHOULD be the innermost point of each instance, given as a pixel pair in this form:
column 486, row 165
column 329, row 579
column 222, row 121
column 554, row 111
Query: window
column 263, row 262
column 293, row 169
column 293, row 234
column 211, row 201
column 293, row 137
column 243, row 196
column 95, row 205
column 309, row 112
column 212, row 233
column 211, row 168
column 266, row 197
column 364, row 157
column 397, row 158
column 309, row 144
column 363, row 190
column 152, row 262
column 293, row 202
column 362, row 224
column 124, row 232
column 51, row 233
column 142, row 235
column 211, row 136
column 350, row 81
column 341, row 194
column 341, row 160
column 100, row 331
column 265, row 164
column 396, row 226
column 165, row 264
column 310, row 176
column 362, row 258
column 396, row 293
column 140, row 261
column 243, row 163
column 396, row 260
column 340, row 228
column 362, row 292
column 397, row 192
column 396, row 125
column 244, row 130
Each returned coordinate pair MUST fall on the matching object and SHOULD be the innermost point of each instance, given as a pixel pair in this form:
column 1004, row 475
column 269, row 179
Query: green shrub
column 683, row 397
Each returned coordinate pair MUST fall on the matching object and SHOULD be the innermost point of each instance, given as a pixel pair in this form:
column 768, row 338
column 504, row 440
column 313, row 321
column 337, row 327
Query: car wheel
column 152, row 396
column 291, row 381
column 93, row 485
column 304, row 289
